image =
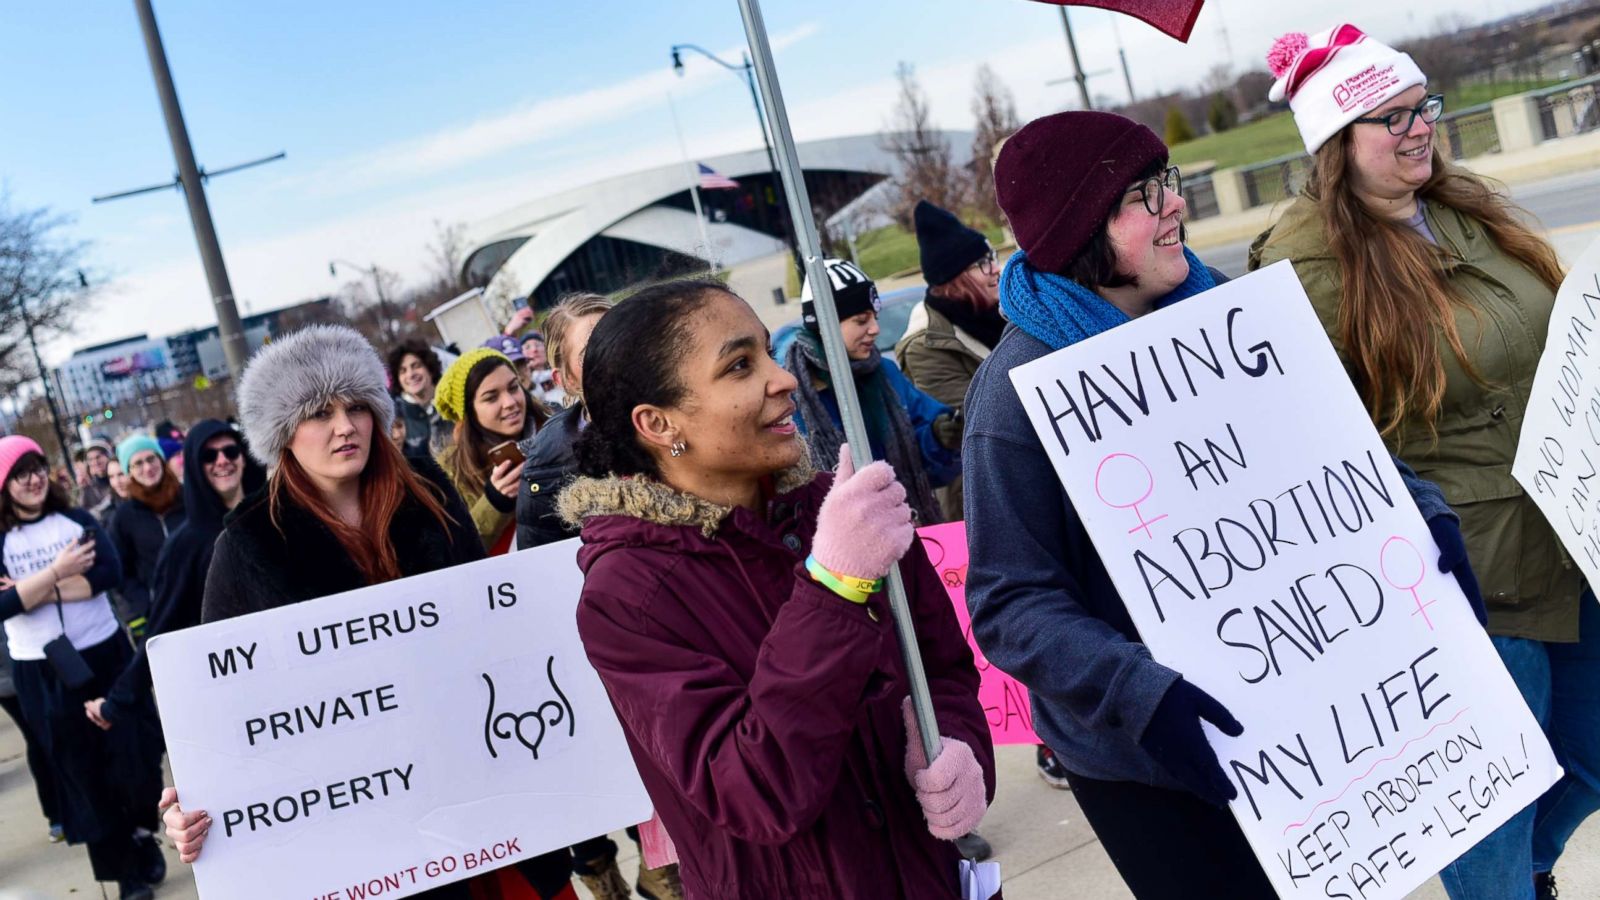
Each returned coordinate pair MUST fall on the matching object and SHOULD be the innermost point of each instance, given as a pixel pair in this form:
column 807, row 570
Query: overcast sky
column 395, row 117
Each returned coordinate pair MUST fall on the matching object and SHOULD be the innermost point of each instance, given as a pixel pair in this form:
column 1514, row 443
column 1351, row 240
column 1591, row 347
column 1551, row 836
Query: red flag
column 1175, row 17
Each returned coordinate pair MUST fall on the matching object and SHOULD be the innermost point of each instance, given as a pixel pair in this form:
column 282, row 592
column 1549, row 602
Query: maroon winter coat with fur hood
column 763, row 711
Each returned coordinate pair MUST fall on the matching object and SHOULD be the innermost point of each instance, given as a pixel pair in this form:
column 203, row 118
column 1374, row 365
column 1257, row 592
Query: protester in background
column 949, row 334
column 762, row 691
column 551, row 461
column 414, row 372
column 118, row 479
column 94, row 485
column 1099, row 217
column 540, row 373
column 495, row 422
column 958, row 321
column 919, row 436
column 220, row 476
column 142, row 525
column 44, row 776
column 1438, row 298
column 343, row 509
column 57, row 565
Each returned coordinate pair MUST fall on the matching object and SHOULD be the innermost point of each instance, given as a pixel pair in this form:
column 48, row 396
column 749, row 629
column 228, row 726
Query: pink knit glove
column 951, row 790
column 864, row 525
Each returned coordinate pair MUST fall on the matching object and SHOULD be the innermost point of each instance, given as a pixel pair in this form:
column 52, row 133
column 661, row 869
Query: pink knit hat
column 1336, row 76
column 12, row 448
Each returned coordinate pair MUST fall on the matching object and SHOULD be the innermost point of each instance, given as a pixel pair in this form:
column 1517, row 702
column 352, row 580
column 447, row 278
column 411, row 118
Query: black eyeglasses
column 1153, row 190
column 1400, row 121
column 29, row 470
column 208, row 455
column 986, row 264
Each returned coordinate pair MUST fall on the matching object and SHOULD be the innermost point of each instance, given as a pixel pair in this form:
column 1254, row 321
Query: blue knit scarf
column 1061, row 312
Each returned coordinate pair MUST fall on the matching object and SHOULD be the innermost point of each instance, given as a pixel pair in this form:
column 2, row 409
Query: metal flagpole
column 694, row 182
column 855, row 429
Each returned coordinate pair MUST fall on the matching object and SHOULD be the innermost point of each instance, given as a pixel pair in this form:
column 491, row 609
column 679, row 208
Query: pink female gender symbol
column 1422, row 571
column 1149, row 488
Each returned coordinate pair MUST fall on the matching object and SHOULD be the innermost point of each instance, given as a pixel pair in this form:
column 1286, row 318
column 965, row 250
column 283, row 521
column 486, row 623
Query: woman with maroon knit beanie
column 1098, row 216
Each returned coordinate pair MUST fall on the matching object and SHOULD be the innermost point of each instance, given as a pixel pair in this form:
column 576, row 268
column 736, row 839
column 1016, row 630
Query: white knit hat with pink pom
column 1335, row 77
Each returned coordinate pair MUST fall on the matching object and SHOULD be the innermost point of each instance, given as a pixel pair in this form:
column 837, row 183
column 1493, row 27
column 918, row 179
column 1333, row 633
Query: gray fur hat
column 295, row 376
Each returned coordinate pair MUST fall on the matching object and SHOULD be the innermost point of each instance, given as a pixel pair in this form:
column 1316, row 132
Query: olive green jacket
column 1529, row 583
column 940, row 359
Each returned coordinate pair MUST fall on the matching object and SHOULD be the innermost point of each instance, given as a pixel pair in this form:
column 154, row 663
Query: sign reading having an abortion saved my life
column 391, row 739
column 1558, row 453
column 1266, row 548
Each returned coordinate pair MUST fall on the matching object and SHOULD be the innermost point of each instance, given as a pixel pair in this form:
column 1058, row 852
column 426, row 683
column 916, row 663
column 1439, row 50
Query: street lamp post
column 377, row 282
column 748, row 70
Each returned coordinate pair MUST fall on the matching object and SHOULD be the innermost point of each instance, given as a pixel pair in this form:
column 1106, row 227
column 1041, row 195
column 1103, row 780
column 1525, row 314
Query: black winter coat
column 180, row 572
column 139, row 534
column 549, row 466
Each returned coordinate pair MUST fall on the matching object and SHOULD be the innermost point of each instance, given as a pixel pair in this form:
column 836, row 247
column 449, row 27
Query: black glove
column 1453, row 561
column 947, row 430
column 1175, row 740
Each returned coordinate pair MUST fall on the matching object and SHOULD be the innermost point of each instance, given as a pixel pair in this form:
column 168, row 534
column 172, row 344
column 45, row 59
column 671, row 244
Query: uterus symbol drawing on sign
column 1404, row 568
column 1123, row 481
column 527, row 721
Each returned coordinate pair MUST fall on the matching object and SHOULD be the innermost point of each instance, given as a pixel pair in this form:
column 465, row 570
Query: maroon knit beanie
column 1058, row 178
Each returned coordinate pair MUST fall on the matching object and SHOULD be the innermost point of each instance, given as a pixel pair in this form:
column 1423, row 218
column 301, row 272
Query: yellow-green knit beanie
column 450, row 397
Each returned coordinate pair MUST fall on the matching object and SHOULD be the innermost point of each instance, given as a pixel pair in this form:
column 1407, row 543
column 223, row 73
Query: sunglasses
column 208, row 455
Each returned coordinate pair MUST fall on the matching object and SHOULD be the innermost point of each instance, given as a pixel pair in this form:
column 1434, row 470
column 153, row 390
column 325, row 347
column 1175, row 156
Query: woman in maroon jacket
column 765, row 709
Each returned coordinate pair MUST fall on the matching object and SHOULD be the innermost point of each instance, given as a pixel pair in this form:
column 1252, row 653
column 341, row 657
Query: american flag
column 712, row 180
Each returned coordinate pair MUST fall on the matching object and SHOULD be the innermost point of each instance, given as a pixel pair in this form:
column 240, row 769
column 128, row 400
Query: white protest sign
column 1267, row 549
column 1559, row 448
column 391, row 739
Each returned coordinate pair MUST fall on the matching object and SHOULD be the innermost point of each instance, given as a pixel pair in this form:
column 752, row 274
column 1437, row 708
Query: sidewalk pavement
column 1045, row 848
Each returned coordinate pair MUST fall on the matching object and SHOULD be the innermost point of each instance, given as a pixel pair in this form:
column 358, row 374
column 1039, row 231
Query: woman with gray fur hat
column 343, row 509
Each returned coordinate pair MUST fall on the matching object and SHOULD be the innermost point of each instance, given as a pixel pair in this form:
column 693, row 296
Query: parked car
column 894, row 314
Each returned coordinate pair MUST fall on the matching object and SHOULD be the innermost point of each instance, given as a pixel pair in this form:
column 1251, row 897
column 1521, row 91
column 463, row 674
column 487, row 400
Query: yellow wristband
column 821, row 575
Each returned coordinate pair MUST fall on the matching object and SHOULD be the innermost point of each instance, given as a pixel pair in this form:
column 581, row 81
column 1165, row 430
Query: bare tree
column 996, row 111
column 927, row 171
column 42, row 285
column 43, row 288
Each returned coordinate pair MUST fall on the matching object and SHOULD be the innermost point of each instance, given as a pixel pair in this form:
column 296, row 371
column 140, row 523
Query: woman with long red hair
column 342, row 509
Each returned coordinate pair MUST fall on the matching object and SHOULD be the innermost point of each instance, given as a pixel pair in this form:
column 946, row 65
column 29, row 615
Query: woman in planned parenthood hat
column 1438, row 297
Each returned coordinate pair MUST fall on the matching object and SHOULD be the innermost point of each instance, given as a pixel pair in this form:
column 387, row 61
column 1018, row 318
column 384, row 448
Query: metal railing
column 1571, row 108
column 1201, row 195
column 1469, row 132
column 1275, row 179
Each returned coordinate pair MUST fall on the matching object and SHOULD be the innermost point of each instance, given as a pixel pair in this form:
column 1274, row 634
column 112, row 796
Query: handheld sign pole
column 788, row 162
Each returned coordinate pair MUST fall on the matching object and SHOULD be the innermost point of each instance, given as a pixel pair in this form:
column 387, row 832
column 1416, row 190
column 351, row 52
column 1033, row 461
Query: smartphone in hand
column 506, row 451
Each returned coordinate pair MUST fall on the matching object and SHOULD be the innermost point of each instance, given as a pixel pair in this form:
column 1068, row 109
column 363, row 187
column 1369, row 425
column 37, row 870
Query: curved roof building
column 609, row 234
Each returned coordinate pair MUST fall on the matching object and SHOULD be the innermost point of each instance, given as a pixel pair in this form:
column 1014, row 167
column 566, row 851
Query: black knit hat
column 947, row 246
column 853, row 293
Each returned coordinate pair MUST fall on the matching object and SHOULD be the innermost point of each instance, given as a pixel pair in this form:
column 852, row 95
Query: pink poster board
column 1004, row 699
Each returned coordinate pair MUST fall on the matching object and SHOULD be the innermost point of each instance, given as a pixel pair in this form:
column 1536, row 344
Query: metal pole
column 383, row 303
column 229, row 328
column 833, row 345
column 44, row 382
column 694, row 183
column 1127, row 79
column 1077, row 67
column 789, row 237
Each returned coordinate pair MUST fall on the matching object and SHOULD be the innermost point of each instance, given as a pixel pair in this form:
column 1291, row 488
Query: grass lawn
column 1276, row 135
